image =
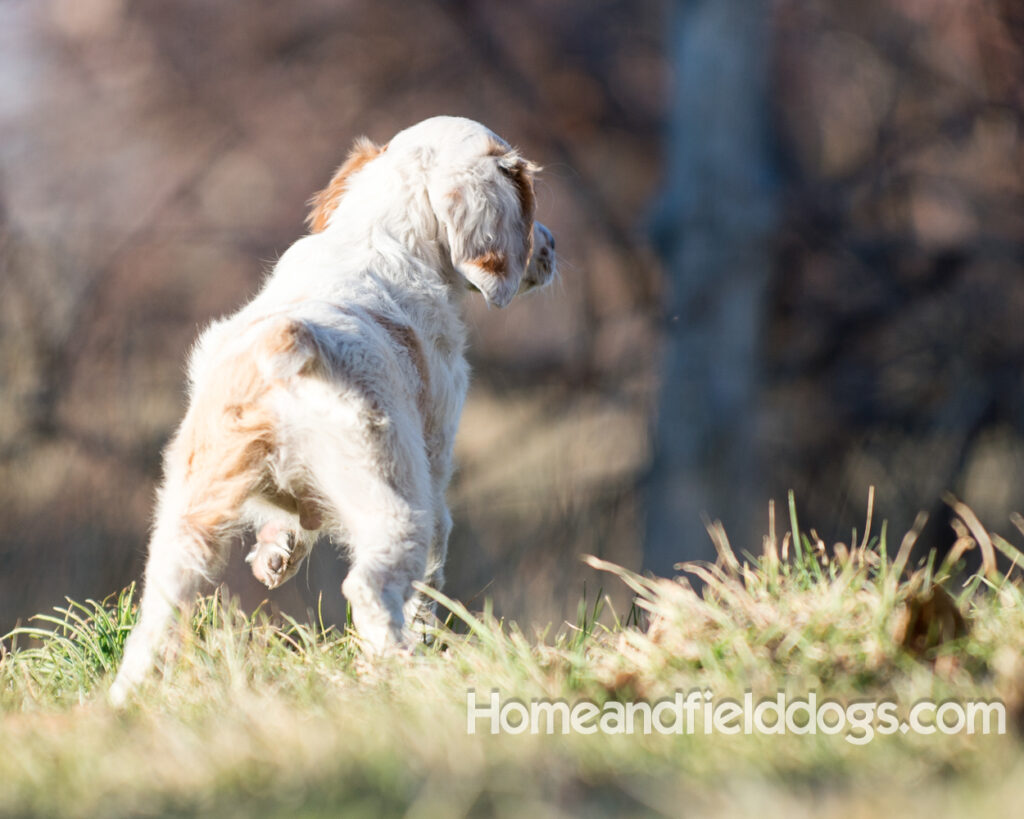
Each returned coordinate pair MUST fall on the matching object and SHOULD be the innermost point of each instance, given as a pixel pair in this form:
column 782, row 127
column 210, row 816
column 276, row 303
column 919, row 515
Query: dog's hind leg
column 199, row 511
column 281, row 546
column 179, row 562
column 217, row 460
column 388, row 543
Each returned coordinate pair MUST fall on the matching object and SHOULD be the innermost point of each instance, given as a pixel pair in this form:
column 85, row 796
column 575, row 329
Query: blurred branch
column 639, row 274
column 65, row 353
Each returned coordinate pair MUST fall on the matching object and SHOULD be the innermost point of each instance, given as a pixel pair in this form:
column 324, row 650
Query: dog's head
column 480, row 192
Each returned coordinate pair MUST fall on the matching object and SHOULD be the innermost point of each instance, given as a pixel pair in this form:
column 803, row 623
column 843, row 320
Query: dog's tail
column 222, row 450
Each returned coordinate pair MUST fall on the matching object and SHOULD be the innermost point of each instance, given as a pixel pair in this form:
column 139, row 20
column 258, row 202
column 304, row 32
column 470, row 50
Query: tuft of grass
column 260, row 716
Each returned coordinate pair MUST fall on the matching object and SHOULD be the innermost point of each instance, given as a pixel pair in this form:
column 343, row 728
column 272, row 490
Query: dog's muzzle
column 542, row 267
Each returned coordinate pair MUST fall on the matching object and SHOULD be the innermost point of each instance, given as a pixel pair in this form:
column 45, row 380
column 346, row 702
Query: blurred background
column 791, row 238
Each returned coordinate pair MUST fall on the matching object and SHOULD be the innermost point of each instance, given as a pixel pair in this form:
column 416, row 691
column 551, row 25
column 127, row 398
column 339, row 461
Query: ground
column 257, row 717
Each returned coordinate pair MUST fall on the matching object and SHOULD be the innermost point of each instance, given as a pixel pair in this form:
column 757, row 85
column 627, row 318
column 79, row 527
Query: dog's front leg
column 387, row 527
column 420, row 610
column 388, row 554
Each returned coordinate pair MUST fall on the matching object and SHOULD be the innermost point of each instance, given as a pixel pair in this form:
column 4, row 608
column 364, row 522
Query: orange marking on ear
column 522, row 177
column 326, row 201
column 493, row 262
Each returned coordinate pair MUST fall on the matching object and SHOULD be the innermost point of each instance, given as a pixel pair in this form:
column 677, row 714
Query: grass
column 257, row 716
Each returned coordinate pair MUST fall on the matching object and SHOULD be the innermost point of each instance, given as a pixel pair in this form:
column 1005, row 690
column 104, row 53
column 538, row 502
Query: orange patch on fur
column 406, row 338
column 521, row 174
column 493, row 262
column 326, row 201
column 522, row 177
column 229, row 433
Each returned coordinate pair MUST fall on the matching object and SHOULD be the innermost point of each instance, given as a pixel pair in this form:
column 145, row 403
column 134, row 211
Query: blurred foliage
column 156, row 157
column 894, row 344
column 260, row 716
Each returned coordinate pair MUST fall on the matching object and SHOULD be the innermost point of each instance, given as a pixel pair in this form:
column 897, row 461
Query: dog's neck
column 391, row 244
column 398, row 235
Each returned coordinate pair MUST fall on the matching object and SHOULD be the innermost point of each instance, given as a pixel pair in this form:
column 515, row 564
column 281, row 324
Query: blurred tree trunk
column 714, row 231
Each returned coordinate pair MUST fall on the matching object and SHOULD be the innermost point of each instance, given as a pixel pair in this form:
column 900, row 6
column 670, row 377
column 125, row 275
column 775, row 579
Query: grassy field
column 260, row 718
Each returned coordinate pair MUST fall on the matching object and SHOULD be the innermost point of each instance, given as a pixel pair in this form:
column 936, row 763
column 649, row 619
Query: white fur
column 329, row 403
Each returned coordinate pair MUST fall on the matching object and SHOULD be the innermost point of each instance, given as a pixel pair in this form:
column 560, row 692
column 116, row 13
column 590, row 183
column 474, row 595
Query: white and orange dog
column 329, row 403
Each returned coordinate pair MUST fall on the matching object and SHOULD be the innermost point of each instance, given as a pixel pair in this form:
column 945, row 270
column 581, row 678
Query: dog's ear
column 326, row 201
column 488, row 221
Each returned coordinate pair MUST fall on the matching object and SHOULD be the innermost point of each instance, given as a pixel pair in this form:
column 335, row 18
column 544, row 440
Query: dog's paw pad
column 272, row 554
